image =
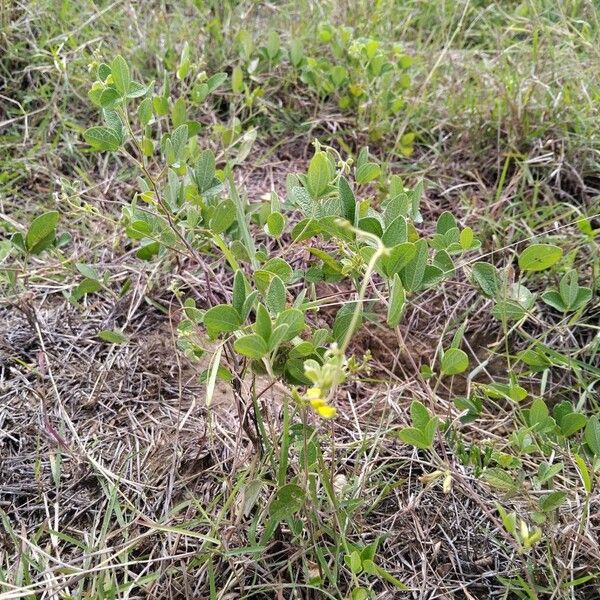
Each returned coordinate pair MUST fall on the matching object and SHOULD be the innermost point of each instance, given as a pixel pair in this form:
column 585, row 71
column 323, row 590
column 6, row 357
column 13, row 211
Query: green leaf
column 179, row 139
column 240, row 209
column 216, row 81
column 239, row 291
column 329, row 261
column 560, row 410
column 367, row 172
column 103, row 71
column 432, row 276
column 397, row 206
column 513, row 392
column 414, row 437
column 419, row 414
column 296, row 52
column 373, row 569
column 539, row 257
column 204, row 172
column 584, row 295
column 273, row 44
column 454, row 361
column 429, row 430
column 88, row 271
column 263, row 325
column 538, row 412
column 486, row 277
column 509, row 310
column 509, row 520
column 248, row 304
column 87, row 286
column 302, row 349
column 354, row 562
column 546, row 471
column 120, row 74
column 184, row 62
column 148, row 250
column 568, row 287
column 338, row 75
column 279, row 334
column 109, row 97
column 275, row 224
column 443, row 262
column 221, row 318
column 399, row 256
column 113, row 121
column 41, row 232
column 445, row 222
column 136, row 90
column 237, row 80
column 397, row 301
column 276, row 296
column 145, row 111
column 370, row 551
column 413, row 273
column 500, row 479
column 342, row 322
column 466, row 238
column 223, row 216
column 300, row 197
column 113, row 337
column 319, row 174
column 294, row 319
column 253, row 346
column 395, row 233
column 347, row 198
column 583, row 473
column 288, row 500
column 102, row 138
column 331, row 206
column 552, row 501
column 371, row 225
column 161, row 105
column 179, row 113
column 554, row 299
column 278, row 266
column 592, row 434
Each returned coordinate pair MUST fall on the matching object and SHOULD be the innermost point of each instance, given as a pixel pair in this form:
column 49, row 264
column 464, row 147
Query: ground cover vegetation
column 299, row 300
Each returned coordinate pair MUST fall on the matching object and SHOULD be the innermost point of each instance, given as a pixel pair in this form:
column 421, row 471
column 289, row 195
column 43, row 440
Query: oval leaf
column 253, row 346
column 120, row 74
column 539, row 257
column 454, row 361
column 221, row 318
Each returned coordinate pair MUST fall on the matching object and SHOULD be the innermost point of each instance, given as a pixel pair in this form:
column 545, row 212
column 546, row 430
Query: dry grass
column 117, row 480
column 116, row 473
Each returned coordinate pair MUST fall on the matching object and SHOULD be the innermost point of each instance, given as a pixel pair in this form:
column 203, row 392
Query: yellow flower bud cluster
column 324, row 378
column 315, row 397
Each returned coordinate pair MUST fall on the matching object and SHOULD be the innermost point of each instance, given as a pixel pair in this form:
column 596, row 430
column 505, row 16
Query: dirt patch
column 101, row 410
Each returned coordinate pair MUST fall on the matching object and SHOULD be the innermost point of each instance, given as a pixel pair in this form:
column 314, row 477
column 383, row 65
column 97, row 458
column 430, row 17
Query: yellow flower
column 326, row 412
column 315, row 397
column 313, row 393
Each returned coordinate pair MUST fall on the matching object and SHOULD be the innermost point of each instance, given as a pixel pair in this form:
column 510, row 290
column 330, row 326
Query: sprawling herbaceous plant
column 243, row 356
column 365, row 78
column 187, row 205
column 348, row 221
